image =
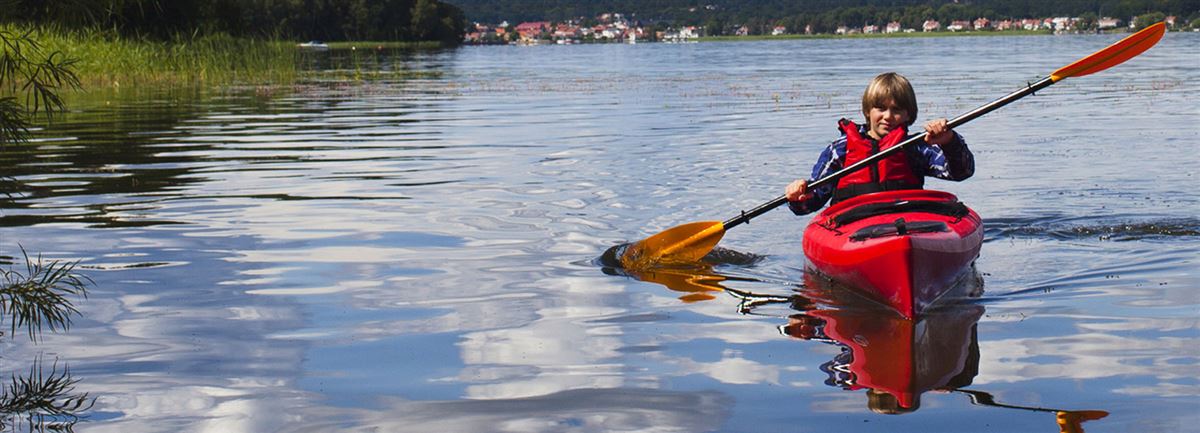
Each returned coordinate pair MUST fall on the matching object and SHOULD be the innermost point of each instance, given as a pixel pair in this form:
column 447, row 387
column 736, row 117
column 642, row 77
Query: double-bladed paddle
column 689, row 243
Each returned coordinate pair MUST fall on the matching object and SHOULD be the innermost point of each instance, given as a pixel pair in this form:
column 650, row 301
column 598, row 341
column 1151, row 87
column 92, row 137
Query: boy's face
column 885, row 118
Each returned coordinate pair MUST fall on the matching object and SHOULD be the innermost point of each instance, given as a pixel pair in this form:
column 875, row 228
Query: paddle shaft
column 952, row 123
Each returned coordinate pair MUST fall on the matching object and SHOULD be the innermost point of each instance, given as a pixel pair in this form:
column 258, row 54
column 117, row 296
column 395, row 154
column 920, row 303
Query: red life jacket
column 891, row 173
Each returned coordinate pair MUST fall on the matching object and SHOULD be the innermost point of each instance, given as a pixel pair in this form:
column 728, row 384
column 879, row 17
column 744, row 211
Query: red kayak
column 902, row 248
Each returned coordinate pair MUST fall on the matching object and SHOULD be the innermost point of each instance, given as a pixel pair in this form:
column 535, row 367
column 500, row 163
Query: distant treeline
column 331, row 20
column 823, row 15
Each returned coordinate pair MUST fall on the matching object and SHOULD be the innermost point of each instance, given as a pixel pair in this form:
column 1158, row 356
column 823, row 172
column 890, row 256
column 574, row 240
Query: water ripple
column 1088, row 228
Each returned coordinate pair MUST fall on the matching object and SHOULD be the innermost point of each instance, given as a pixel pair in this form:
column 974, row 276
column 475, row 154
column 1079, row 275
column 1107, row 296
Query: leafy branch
column 30, row 82
column 41, row 296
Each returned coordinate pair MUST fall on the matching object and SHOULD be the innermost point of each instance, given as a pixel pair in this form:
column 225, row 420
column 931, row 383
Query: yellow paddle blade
column 1114, row 54
column 687, row 243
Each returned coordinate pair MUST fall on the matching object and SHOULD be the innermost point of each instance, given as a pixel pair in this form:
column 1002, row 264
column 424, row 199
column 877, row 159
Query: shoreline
column 357, row 45
column 821, row 36
column 896, row 35
column 107, row 61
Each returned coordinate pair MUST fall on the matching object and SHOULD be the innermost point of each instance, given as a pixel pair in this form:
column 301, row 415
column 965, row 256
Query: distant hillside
column 698, row 12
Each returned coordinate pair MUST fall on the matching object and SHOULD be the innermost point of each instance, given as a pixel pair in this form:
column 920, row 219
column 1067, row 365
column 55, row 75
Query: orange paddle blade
column 687, row 243
column 1072, row 421
column 1114, row 54
column 697, row 284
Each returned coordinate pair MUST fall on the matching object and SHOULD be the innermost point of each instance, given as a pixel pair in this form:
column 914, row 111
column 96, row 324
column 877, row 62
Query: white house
column 959, row 26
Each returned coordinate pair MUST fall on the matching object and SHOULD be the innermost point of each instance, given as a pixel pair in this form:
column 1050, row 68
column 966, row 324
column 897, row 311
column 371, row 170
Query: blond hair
column 887, row 404
column 892, row 87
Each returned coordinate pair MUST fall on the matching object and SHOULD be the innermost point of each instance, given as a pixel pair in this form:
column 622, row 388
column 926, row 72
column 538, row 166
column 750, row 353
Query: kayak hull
column 904, row 249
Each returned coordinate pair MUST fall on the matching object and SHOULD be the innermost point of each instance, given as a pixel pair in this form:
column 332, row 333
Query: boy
column 889, row 105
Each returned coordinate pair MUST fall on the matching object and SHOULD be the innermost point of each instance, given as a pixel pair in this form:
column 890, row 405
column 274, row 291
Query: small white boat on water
column 313, row 45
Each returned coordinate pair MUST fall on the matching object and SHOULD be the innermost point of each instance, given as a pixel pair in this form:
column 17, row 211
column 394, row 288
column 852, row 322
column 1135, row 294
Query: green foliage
column 1145, row 20
column 107, row 59
column 41, row 296
column 331, row 20
column 31, row 78
column 424, row 19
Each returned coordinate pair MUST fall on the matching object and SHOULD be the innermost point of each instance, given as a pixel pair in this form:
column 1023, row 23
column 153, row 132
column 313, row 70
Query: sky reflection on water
column 419, row 254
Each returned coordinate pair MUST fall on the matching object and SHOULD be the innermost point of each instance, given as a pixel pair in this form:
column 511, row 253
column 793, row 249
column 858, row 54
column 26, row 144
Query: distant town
column 617, row 28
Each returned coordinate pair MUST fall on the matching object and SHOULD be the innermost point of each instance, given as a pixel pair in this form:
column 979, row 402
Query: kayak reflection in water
column 895, row 359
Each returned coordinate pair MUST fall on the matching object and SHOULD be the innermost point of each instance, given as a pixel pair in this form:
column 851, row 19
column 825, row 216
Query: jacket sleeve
column 828, row 163
column 953, row 161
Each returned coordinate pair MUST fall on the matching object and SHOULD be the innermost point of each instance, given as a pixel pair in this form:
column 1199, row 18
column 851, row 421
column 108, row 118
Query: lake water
column 417, row 251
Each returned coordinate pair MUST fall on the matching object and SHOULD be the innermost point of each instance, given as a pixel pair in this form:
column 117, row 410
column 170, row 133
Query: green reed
column 105, row 59
column 41, row 296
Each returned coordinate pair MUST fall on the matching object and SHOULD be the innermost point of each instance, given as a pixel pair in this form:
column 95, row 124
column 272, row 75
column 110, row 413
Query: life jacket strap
column 858, row 189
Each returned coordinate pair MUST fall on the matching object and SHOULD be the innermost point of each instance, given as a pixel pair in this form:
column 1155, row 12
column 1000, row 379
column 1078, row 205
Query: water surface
column 417, row 252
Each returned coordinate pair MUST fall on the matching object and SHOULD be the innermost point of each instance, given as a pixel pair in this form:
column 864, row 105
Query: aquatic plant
column 41, row 297
column 42, row 401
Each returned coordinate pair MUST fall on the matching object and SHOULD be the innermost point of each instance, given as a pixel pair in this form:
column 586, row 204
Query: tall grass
column 105, row 59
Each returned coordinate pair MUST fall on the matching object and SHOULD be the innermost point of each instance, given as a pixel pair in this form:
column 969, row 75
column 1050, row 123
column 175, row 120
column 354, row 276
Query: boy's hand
column 796, row 191
column 936, row 132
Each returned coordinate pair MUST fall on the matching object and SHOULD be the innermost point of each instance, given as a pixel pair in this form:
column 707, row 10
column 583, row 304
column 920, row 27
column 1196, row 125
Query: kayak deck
column 904, row 249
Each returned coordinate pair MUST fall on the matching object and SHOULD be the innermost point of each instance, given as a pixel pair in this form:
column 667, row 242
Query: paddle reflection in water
column 1069, row 421
column 698, row 281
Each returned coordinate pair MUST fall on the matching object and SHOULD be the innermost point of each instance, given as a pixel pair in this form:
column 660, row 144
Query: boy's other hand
column 937, row 132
